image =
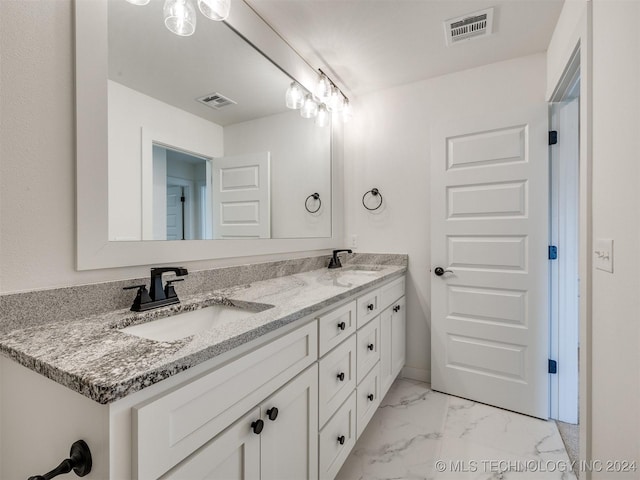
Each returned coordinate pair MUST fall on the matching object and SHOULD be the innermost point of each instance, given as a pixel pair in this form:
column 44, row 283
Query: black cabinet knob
column 396, row 308
column 370, row 397
column 370, row 346
column 272, row 413
column 370, row 307
column 342, row 325
column 257, row 427
column 341, row 376
column 341, row 439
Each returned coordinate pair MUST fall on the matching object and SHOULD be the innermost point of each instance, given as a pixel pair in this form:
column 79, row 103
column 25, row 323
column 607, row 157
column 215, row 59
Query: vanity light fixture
column 323, row 87
column 295, row 96
column 309, row 108
column 217, row 10
column 347, row 111
column 322, row 118
column 180, row 15
column 336, row 100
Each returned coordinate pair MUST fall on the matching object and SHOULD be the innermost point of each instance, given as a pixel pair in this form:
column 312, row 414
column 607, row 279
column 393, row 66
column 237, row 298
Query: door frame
column 580, row 60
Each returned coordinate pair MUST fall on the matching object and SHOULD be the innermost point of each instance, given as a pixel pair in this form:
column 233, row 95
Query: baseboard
column 419, row 374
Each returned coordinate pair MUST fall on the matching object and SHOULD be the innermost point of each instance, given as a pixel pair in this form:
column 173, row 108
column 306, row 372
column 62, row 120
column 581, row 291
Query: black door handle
column 439, row 271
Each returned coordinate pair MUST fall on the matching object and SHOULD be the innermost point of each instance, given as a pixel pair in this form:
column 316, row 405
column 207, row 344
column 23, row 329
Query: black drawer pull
column 396, row 308
column 342, row 326
column 341, row 439
column 341, row 376
column 257, row 427
column 370, row 397
column 370, row 307
column 272, row 413
column 370, row 346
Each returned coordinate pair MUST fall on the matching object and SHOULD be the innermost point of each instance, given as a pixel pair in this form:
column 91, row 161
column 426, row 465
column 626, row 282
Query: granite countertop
column 92, row 357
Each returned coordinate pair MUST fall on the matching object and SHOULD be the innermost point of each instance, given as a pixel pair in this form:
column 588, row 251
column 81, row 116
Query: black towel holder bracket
column 79, row 461
column 374, row 193
column 315, row 196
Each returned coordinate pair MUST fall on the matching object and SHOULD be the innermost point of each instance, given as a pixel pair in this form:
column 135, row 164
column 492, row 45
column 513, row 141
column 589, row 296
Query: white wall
column 388, row 148
column 129, row 111
column 615, row 348
column 37, row 154
column 298, row 169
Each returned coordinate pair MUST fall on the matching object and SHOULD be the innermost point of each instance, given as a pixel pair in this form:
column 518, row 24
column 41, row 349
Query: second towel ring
column 315, row 196
column 376, row 193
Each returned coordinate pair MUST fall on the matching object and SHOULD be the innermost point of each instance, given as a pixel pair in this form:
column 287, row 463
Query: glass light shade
column 323, row 87
column 294, row 96
column 217, row 10
column 336, row 100
column 309, row 108
column 180, row 17
column 347, row 111
column 322, row 119
column 138, row 2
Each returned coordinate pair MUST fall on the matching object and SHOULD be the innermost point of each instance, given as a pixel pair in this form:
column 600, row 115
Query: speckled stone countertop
column 92, row 357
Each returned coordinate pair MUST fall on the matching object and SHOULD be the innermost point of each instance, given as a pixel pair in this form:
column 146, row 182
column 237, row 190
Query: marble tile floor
column 421, row 434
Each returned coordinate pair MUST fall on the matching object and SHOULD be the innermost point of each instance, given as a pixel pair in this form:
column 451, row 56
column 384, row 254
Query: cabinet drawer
column 169, row 428
column 368, row 398
column 368, row 352
column 341, row 428
column 368, row 307
column 391, row 292
column 339, row 364
column 336, row 326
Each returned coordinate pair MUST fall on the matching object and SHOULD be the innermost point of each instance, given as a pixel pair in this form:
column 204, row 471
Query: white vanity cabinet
column 172, row 426
column 357, row 366
column 325, row 375
column 275, row 441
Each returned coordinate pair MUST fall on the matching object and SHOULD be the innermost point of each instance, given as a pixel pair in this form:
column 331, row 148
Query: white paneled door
column 241, row 196
column 489, row 223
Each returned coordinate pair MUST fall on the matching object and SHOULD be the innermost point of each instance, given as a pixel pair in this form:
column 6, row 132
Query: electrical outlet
column 603, row 254
column 354, row 241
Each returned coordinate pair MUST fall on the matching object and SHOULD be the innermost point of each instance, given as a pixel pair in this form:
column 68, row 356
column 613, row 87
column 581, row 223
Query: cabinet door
column 289, row 449
column 386, row 377
column 232, row 455
column 398, row 336
column 392, row 343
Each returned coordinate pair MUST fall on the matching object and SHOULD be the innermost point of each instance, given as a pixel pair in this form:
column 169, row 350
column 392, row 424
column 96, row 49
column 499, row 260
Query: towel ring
column 315, row 196
column 376, row 193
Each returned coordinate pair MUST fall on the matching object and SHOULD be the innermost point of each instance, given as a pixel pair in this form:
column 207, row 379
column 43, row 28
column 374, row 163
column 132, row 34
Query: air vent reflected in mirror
column 216, row 100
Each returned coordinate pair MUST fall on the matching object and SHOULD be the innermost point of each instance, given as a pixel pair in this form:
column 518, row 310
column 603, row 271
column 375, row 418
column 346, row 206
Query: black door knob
column 370, row 397
column 272, row 413
column 342, row 325
column 370, row 346
column 341, row 376
column 396, row 308
column 257, row 427
column 439, row 271
column 370, row 306
column 341, row 439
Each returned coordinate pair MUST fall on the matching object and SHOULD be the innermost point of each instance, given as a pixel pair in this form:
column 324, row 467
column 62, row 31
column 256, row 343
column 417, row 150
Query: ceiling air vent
column 216, row 100
column 473, row 25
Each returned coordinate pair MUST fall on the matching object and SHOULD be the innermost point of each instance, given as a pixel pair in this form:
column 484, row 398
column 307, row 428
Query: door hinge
column 553, row 366
column 553, row 137
column 553, row 252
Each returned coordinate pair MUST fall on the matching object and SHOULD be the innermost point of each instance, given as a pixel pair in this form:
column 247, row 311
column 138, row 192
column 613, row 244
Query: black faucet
column 157, row 296
column 335, row 261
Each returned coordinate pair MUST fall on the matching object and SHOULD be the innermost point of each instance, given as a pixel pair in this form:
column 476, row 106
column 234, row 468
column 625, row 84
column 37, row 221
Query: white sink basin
column 185, row 324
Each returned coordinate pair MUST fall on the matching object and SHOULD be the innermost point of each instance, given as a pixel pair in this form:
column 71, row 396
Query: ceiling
column 369, row 45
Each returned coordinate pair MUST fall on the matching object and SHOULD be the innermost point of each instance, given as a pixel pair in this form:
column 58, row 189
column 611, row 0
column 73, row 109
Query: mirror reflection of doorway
column 182, row 207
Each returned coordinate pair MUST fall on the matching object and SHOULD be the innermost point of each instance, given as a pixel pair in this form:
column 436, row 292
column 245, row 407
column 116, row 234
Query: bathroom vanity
column 282, row 393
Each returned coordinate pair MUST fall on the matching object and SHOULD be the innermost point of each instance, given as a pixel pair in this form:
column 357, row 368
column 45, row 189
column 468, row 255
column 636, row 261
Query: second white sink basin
column 186, row 324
